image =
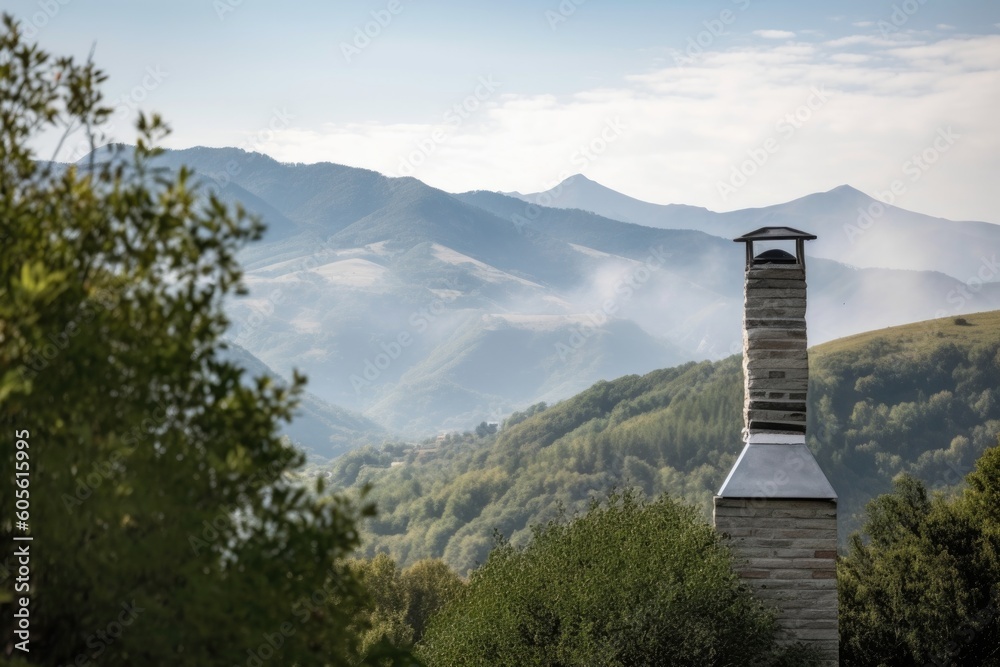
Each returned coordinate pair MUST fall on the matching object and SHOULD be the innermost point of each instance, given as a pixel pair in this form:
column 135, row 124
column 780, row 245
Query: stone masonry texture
column 775, row 361
column 786, row 550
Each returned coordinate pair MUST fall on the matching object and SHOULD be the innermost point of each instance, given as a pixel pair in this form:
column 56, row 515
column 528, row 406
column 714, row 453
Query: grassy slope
column 920, row 398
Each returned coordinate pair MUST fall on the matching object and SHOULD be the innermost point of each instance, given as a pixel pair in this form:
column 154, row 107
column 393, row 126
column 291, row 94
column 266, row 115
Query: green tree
column 485, row 429
column 404, row 601
column 429, row 585
column 628, row 583
column 166, row 528
column 387, row 620
column 921, row 583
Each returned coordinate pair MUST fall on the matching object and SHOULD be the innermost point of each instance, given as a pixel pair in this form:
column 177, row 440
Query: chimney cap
column 775, row 234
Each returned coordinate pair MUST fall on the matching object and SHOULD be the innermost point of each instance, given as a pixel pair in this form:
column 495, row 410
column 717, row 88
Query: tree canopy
column 921, row 582
column 165, row 526
column 629, row 582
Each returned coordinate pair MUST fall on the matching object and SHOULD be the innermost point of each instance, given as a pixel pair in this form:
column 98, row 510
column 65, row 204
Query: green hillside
column 921, row 398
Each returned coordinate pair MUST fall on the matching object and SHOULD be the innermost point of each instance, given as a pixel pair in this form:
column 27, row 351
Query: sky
column 725, row 104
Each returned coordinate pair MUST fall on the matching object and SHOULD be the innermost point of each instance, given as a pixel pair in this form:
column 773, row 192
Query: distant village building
column 776, row 508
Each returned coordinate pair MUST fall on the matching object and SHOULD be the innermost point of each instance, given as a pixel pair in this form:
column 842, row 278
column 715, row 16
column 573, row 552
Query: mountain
column 703, row 280
column 322, row 430
column 921, row 399
column 427, row 311
column 580, row 192
column 853, row 228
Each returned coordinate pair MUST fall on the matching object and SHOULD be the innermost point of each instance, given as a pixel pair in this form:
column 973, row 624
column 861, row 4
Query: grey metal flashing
column 777, row 471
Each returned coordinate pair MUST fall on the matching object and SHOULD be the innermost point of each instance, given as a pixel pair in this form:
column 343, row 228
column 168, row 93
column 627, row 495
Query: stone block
column 776, row 312
column 790, row 272
column 790, row 291
column 773, row 322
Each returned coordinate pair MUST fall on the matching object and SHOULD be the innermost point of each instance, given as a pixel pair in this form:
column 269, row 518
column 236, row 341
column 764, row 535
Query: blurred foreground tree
column 165, row 528
column 628, row 583
column 921, row 584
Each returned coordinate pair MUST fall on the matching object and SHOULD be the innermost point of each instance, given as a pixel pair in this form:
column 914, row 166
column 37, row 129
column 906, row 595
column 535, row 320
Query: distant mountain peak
column 846, row 190
column 579, row 178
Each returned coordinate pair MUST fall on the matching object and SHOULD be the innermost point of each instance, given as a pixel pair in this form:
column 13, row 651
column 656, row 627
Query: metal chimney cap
column 775, row 234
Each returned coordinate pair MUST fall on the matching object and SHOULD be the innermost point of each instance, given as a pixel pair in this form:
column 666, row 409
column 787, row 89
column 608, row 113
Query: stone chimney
column 776, row 508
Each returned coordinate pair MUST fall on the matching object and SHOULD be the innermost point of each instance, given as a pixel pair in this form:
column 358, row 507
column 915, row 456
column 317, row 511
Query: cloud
column 774, row 34
column 671, row 135
column 945, row 26
column 863, row 24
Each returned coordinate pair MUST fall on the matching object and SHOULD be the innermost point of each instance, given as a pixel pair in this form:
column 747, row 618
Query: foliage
column 921, row 399
column 628, row 583
column 484, row 429
column 159, row 486
column 404, row 601
column 921, row 584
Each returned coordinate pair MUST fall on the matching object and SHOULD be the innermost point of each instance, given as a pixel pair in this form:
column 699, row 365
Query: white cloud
column 673, row 134
column 774, row 34
column 945, row 26
column 863, row 24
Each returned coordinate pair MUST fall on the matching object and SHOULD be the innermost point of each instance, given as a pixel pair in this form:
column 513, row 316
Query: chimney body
column 776, row 508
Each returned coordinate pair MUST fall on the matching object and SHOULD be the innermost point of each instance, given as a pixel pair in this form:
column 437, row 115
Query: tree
column 404, row 601
column 921, row 583
column 628, row 583
column 166, row 528
column 485, row 429
column 429, row 584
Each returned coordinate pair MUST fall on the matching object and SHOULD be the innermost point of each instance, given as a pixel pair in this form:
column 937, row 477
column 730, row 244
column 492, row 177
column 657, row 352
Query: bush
column 630, row 582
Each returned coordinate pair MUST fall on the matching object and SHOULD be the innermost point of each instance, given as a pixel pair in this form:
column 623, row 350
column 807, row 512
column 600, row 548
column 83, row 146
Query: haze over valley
column 423, row 311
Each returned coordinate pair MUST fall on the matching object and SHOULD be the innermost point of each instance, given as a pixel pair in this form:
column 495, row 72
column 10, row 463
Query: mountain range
column 424, row 310
column 853, row 228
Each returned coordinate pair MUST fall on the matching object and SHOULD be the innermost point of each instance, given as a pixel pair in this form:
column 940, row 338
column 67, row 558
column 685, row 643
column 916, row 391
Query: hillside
column 920, row 398
column 322, row 430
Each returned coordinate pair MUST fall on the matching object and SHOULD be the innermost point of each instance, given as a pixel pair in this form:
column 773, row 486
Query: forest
column 921, row 399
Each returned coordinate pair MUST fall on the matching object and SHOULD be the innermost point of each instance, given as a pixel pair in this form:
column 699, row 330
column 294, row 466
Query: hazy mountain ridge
column 425, row 310
column 853, row 227
column 324, row 431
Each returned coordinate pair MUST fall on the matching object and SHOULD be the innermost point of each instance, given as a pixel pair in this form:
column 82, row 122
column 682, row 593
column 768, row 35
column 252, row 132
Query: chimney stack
column 776, row 508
